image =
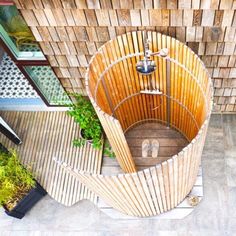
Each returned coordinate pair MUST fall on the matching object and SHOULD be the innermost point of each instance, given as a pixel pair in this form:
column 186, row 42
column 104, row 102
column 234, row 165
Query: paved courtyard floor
column 215, row 215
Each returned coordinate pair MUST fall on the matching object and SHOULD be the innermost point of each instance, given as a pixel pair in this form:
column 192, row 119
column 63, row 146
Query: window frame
column 21, row 63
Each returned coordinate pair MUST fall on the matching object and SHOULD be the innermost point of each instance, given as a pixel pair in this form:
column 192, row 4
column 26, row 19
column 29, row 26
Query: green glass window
column 48, row 84
column 17, row 35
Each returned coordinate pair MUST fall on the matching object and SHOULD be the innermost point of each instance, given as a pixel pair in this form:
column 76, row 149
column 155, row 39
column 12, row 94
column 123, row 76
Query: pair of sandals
column 150, row 145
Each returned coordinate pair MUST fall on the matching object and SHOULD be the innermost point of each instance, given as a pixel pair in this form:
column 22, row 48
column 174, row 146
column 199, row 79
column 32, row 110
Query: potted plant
column 90, row 127
column 19, row 191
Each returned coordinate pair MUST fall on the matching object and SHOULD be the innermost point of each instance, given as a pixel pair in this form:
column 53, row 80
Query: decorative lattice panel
column 13, row 83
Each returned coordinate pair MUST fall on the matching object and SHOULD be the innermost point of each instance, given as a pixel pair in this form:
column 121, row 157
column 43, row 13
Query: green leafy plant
column 84, row 114
column 108, row 151
column 15, row 180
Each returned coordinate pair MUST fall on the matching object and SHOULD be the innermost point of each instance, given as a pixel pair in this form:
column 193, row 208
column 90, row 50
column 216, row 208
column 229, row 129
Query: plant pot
column 25, row 204
column 90, row 141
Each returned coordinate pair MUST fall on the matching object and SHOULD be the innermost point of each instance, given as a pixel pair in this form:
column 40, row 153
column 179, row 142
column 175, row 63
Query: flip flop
column 155, row 148
column 145, row 147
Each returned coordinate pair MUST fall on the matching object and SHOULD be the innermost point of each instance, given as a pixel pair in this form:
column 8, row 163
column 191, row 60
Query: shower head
column 146, row 66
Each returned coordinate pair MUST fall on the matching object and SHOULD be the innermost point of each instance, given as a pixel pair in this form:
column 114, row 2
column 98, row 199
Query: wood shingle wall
column 70, row 32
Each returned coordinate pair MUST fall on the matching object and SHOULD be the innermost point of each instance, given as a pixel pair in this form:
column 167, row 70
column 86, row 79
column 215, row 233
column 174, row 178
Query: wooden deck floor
column 48, row 135
column 171, row 142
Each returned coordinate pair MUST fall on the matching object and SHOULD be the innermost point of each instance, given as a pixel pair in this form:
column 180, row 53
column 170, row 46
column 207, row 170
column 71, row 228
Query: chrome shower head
column 146, row 66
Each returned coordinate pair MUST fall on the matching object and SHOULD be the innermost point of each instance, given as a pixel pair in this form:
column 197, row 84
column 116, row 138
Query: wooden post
column 168, row 89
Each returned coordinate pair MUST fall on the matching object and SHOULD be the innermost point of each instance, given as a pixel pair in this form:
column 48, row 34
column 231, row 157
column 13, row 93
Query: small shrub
column 15, row 180
column 84, row 114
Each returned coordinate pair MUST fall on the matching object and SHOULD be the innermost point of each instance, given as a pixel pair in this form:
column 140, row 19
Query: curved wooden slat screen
column 113, row 86
column 151, row 191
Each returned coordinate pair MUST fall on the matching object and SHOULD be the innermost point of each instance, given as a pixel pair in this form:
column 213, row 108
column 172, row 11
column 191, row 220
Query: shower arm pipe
column 153, row 54
column 147, row 52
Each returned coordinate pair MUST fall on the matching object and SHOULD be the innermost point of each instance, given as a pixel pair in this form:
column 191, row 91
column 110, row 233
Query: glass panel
column 48, row 84
column 17, row 35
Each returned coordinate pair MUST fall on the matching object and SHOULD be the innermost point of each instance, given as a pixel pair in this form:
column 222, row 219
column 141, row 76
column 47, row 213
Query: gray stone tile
column 231, row 226
column 230, row 167
column 213, row 172
column 214, row 145
column 5, row 233
column 5, row 220
column 216, row 121
column 201, row 232
column 229, row 127
column 205, row 217
column 231, row 203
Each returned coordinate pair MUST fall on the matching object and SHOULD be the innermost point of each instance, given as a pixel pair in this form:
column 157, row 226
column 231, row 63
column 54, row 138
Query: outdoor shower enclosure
column 183, row 102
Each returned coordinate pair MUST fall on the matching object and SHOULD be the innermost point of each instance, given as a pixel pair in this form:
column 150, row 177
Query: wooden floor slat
column 46, row 135
column 170, row 140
